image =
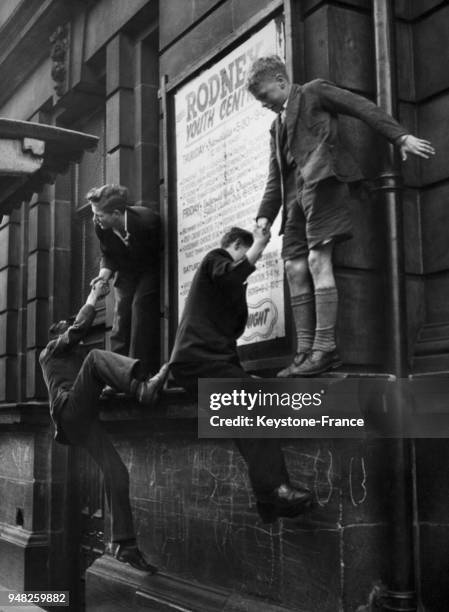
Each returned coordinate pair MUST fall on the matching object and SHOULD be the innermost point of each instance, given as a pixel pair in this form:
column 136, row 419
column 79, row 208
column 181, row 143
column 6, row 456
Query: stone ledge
column 29, row 413
column 174, row 406
column 112, row 586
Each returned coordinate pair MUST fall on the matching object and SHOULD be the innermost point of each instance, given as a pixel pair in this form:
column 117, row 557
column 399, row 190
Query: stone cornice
column 34, row 154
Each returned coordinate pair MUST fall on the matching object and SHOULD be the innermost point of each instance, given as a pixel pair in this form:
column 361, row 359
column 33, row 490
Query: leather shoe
column 148, row 390
column 284, row 501
column 317, row 362
column 132, row 555
column 109, row 392
column 298, row 359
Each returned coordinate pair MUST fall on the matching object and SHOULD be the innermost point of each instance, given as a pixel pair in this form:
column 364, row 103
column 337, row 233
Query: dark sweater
column 142, row 254
column 215, row 312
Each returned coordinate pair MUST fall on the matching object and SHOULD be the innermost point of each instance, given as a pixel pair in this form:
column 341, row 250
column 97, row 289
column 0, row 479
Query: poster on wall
column 222, row 153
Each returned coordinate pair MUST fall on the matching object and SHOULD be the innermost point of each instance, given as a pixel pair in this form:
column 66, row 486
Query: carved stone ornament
column 60, row 43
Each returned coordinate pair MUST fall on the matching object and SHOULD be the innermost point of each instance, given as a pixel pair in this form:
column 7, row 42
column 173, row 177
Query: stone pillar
column 9, row 304
column 120, row 112
column 37, row 291
column 119, row 126
column 59, row 298
column 146, row 151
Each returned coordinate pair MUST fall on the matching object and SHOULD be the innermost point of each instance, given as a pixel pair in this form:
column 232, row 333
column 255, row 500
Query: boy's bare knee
column 296, row 268
column 315, row 261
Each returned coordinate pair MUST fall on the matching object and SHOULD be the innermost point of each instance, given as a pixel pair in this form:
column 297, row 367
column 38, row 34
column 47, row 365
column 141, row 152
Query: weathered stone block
column 434, row 542
column 147, row 114
column 243, row 10
column 411, row 9
column 119, row 168
column 23, row 560
column 62, row 214
column 35, row 386
column 416, row 308
column 38, row 275
column 405, row 61
column 367, row 555
column 120, row 120
column 360, row 325
column 39, row 227
column 204, row 37
column 338, row 47
column 8, row 332
column 434, row 221
column 437, row 306
column 9, row 288
column 37, row 323
column 10, row 245
column 434, row 125
column 431, row 460
column 8, row 379
column 17, row 504
column 413, row 238
column 174, row 18
column 430, row 43
column 147, row 62
column 119, row 64
column 146, row 168
column 311, row 4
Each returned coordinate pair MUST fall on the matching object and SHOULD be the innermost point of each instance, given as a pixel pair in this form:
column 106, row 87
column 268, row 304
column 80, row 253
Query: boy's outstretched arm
column 339, row 100
column 84, row 319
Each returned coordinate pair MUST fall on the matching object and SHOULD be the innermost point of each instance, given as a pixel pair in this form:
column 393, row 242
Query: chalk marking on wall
column 323, row 501
column 362, row 484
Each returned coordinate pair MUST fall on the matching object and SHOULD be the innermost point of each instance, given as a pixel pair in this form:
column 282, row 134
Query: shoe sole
column 286, row 372
column 332, row 366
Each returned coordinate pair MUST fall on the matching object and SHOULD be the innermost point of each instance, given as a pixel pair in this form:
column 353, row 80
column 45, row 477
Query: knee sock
column 326, row 304
column 303, row 307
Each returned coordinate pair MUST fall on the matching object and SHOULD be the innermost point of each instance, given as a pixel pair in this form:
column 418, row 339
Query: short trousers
column 321, row 215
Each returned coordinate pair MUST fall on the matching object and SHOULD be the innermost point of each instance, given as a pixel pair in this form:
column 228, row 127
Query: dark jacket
column 311, row 121
column 142, row 254
column 61, row 360
column 215, row 312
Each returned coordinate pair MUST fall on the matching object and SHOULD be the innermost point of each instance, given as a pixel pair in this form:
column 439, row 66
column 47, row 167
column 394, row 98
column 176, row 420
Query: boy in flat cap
column 75, row 377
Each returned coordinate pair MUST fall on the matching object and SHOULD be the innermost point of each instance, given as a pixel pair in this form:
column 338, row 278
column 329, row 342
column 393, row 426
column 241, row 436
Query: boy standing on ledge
column 308, row 175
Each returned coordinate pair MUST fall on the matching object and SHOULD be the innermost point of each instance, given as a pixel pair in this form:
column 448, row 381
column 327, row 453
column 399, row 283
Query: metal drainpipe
column 401, row 594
